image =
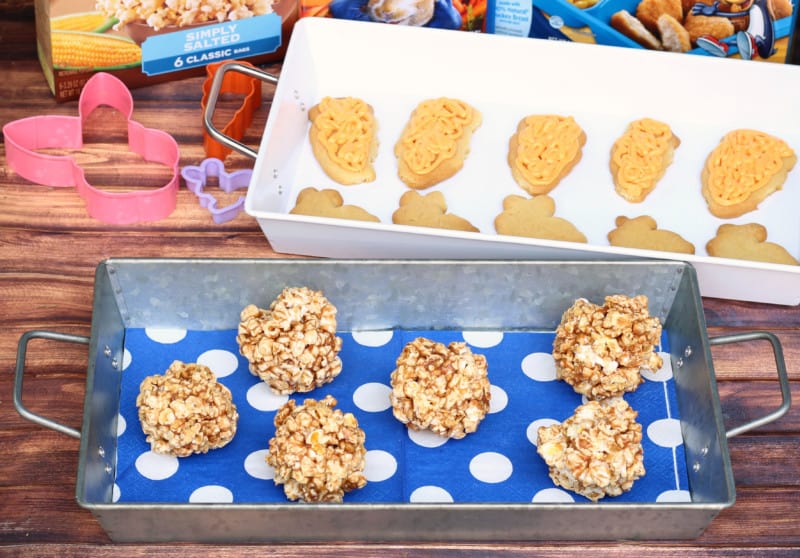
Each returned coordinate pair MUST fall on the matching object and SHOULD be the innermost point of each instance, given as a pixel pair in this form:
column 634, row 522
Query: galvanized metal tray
column 372, row 295
column 506, row 78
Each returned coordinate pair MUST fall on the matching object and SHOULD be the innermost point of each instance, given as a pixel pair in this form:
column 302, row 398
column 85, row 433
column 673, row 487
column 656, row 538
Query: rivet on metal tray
column 704, row 451
column 687, row 352
column 696, row 466
column 101, row 451
column 107, row 351
column 114, row 363
column 679, row 362
column 108, row 469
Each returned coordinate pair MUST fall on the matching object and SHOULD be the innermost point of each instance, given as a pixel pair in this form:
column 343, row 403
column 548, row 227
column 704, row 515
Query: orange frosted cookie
column 640, row 157
column 435, row 142
column 543, row 151
column 344, row 139
column 745, row 168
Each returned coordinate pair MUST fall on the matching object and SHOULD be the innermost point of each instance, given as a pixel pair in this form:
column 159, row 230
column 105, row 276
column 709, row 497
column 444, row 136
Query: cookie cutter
column 230, row 82
column 25, row 136
column 210, row 103
column 196, row 177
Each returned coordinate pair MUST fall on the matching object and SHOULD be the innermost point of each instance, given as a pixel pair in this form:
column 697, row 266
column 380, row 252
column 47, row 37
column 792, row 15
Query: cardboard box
column 462, row 15
column 77, row 38
column 744, row 29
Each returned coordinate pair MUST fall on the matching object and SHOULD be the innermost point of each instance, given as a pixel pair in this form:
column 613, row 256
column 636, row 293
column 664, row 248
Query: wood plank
column 415, row 550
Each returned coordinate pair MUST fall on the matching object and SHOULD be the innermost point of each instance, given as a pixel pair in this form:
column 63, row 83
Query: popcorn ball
column 292, row 346
column 186, row 410
column 440, row 388
column 601, row 350
column 317, row 452
column 596, row 452
column 161, row 13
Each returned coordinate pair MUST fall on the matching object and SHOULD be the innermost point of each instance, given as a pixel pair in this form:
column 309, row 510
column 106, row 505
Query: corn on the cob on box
column 150, row 41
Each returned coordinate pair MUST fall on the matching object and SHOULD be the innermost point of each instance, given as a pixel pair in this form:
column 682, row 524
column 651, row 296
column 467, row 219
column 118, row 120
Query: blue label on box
column 199, row 46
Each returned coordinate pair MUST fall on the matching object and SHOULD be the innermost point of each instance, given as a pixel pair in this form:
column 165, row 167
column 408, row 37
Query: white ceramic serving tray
column 393, row 68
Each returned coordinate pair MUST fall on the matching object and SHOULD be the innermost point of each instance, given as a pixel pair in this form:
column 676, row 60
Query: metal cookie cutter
column 196, row 178
column 230, row 82
column 216, row 87
column 23, row 137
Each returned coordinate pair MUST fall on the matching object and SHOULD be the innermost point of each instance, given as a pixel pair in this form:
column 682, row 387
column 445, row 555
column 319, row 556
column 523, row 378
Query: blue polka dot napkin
column 498, row 463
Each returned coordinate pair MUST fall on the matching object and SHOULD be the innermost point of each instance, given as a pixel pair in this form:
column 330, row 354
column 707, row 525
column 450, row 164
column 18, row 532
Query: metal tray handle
column 22, row 349
column 213, row 97
column 777, row 350
column 783, row 377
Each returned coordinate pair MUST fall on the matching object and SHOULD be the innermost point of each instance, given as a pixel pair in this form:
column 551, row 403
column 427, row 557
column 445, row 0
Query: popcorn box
column 144, row 42
column 742, row 29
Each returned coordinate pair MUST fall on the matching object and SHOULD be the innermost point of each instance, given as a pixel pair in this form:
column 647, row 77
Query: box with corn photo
column 759, row 30
column 144, row 42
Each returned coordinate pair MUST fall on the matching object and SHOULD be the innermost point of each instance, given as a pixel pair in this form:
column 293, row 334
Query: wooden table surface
column 49, row 248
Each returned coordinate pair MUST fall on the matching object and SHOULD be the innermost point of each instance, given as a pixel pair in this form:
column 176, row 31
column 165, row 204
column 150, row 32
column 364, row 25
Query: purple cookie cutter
column 196, row 178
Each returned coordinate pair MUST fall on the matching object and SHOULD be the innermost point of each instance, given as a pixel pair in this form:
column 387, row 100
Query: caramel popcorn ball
column 161, row 13
column 596, row 452
column 292, row 346
column 440, row 388
column 317, row 452
column 601, row 350
column 186, row 410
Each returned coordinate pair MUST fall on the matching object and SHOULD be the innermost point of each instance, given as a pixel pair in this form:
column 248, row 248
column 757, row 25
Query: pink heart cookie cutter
column 25, row 136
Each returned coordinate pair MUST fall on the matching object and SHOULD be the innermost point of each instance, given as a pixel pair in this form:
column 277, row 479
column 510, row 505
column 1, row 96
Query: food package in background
column 144, row 42
column 464, row 15
column 758, row 30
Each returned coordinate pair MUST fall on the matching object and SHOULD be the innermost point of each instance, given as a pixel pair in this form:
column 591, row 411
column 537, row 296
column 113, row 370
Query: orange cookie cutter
column 232, row 82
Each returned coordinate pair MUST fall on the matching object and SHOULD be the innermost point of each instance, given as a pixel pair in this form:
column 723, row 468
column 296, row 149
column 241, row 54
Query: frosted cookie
column 544, row 150
column 186, row 410
column 747, row 242
column 328, row 203
column 344, row 139
column 292, row 346
column 435, row 141
column 640, row 157
column 444, row 389
column 429, row 210
column 643, row 232
column 317, row 452
column 534, row 218
column 596, row 452
column 743, row 170
column 601, row 350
